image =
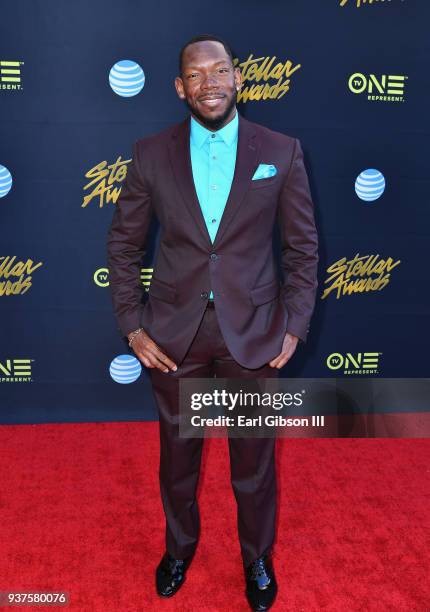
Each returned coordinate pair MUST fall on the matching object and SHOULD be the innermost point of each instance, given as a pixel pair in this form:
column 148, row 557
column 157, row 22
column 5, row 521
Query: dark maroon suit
column 253, row 307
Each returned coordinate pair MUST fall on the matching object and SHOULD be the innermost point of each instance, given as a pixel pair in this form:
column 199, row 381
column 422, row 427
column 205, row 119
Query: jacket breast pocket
column 265, row 293
column 264, row 182
column 162, row 291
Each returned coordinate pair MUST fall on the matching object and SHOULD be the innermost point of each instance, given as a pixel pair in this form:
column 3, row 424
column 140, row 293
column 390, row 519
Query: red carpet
column 80, row 512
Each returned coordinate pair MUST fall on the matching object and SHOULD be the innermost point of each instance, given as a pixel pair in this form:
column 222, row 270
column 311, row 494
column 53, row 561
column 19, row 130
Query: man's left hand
column 288, row 347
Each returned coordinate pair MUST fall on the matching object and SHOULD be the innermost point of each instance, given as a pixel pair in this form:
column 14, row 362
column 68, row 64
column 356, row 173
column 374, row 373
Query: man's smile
column 211, row 101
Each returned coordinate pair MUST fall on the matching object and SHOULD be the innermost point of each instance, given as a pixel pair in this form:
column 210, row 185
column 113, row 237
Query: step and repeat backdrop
column 80, row 82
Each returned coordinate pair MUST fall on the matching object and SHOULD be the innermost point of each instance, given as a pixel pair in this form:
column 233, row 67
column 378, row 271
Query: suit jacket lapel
column 248, row 147
column 248, row 150
column 180, row 159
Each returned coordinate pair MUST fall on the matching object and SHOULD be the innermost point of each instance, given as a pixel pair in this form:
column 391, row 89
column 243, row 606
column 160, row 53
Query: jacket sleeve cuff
column 298, row 329
column 129, row 323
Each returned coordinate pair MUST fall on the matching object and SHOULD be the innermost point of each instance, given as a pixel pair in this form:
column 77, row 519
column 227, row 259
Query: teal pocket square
column 264, row 171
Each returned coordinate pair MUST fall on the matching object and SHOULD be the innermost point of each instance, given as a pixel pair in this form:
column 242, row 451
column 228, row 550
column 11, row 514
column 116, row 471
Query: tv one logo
column 10, row 75
column 101, row 277
column 385, row 88
column 15, row 370
column 354, row 363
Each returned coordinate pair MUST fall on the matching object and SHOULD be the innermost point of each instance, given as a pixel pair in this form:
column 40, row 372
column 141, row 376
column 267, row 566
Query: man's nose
column 210, row 82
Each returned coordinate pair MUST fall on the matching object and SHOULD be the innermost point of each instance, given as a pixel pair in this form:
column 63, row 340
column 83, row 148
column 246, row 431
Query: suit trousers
column 252, row 460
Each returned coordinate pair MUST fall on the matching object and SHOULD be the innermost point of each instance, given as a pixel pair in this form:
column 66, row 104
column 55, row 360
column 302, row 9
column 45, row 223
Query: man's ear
column 179, row 86
column 238, row 78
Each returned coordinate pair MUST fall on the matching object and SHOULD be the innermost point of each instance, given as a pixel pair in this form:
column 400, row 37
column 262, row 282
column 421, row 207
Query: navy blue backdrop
column 349, row 79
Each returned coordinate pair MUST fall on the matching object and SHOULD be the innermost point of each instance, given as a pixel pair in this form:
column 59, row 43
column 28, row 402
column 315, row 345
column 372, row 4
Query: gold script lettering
column 257, row 69
column 104, row 177
column 343, row 271
column 10, row 268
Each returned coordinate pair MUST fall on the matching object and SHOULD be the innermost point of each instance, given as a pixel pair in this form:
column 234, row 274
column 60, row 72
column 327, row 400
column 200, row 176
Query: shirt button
column 213, row 156
column 214, row 187
column 213, row 135
column 213, row 221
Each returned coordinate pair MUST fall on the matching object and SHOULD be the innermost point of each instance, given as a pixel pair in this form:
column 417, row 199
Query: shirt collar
column 200, row 134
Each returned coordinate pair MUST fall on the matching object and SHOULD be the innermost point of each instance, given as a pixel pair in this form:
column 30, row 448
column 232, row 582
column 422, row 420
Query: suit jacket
column 254, row 306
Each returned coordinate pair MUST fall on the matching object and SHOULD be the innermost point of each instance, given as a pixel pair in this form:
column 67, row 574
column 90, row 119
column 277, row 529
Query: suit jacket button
column 204, row 295
column 214, row 256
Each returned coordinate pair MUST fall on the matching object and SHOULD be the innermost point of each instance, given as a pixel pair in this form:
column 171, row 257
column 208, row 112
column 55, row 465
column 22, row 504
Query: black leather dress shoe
column 261, row 586
column 170, row 574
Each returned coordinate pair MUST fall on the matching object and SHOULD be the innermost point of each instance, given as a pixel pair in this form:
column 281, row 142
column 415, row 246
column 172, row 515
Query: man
column 218, row 184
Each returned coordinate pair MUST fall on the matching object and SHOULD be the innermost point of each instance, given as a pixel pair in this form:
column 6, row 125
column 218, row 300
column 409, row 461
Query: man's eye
column 223, row 69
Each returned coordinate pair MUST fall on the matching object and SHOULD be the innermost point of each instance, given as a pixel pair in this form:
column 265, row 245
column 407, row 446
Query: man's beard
column 216, row 122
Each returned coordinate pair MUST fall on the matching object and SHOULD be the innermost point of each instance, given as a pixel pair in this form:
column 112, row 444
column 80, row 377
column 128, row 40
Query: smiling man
column 218, row 185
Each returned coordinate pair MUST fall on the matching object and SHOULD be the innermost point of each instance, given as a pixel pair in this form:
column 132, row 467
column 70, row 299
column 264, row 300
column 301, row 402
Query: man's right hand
column 150, row 353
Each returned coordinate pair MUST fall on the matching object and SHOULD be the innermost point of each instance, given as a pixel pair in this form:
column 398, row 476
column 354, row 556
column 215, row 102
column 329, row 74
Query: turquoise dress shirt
column 213, row 159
